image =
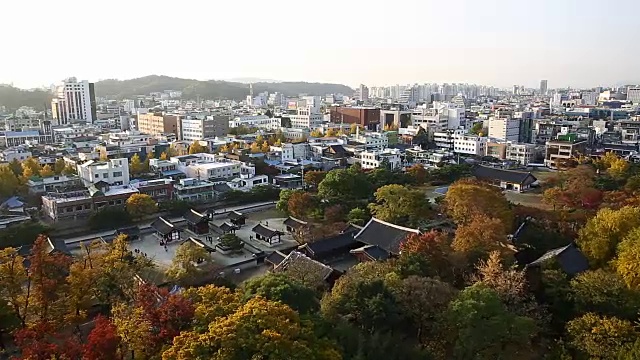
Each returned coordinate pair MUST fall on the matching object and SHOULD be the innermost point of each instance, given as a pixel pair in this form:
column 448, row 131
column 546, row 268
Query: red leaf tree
column 103, row 341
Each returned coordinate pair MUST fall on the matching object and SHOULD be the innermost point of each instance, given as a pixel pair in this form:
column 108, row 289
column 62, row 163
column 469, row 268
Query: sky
column 578, row 43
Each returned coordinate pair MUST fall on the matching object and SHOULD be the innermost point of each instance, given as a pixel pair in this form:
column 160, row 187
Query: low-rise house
column 191, row 189
column 505, row 179
column 267, row 234
column 113, row 171
column 294, row 225
column 165, row 230
column 197, row 222
column 160, row 189
column 329, row 248
column 18, row 153
column 378, row 158
column 40, row 185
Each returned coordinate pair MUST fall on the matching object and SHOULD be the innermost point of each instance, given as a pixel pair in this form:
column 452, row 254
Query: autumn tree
column 140, row 205
column 604, row 292
column 599, row 238
column 42, row 341
column 316, row 133
column 164, row 156
column 418, row 173
column 467, row 198
column 255, row 148
column 399, row 205
column 428, row 254
column 13, row 277
column 184, row 266
column 9, row 183
column 628, row 258
column 135, row 165
column 31, row 167
column 134, row 329
column 283, row 289
column 301, row 204
column 481, row 236
column 265, row 148
column 283, row 203
column 211, row 303
column 330, row 133
column 59, row 166
column 483, row 328
column 46, row 171
column 314, row 178
column 334, row 214
column 196, row 148
column 259, row 329
column 600, row 337
column 103, row 341
column 16, row 167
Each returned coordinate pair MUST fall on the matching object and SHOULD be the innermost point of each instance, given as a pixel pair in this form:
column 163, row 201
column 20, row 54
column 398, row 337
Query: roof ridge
column 166, row 221
column 197, row 213
column 395, row 226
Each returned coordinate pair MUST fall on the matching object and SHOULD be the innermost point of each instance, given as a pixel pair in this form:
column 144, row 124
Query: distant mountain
column 250, row 80
column 13, row 98
column 211, row 89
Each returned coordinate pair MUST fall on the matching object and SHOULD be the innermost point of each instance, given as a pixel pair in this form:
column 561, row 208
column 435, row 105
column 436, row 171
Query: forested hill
column 211, row 89
column 13, row 98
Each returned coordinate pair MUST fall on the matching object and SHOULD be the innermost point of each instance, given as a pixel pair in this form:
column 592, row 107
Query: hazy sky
column 375, row 42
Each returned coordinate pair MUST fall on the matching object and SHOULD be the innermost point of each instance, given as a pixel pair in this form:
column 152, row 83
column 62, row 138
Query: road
column 144, row 225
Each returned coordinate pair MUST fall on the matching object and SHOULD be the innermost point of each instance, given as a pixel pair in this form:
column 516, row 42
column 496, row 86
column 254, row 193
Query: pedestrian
column 165, row 248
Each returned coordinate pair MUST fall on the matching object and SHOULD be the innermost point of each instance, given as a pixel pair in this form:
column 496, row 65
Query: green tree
column 59, row 166
column 196, row 148
column 135, row 165
column 477, row 128
column 604, row 292
column 483, row 328
column 231, row 242
column 342, row 185
column 184, row 267
column 400, row 205
column 283, row 289
column 600, row 337
column 283, row 204
column 599, row 238
column 357, row 216
column 139, row 205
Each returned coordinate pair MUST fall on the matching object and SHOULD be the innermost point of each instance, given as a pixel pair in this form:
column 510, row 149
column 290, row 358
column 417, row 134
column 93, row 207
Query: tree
column 260, row 140
column 184, row 268
column 604, row 292
column 334, row 214
column 600, row 337
column 314, row 178
column 69, row 170
column 357, row 216
column 483, row 328
column 477, row 128
column 16, row 167
column 46, row 171
column 8, row 321
column 41, row 341
column 139, row 205
column 618, row 168
column 255, row 148
column 265, row 147
column 316, row 133
column 59, row 166
column 283, row 289
column 283, row 204
column 259, row 329
column 231, row 242
column 110, row 218
column 626, row 263
column 134, row 329
column 599, row 238
column 399, row 205
column 467, row 198
column 196, row 148
column 418, row 174
column 481, row 236
column 301, row 204
column 33, row 165
column 135, row 165
column 103, row 341
column 330, row 133
column 9, row 183
column 212, row 303
column 164, row 156
column 428, row 254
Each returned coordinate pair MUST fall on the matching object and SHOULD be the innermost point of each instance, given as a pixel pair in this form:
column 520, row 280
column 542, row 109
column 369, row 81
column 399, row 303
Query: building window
column 117, row 173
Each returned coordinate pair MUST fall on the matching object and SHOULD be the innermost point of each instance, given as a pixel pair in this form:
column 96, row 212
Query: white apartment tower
column 74, row 100
column 504, row 128
column 363, row 93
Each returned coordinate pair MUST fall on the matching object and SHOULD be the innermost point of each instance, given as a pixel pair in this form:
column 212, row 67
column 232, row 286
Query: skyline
column 495, row 43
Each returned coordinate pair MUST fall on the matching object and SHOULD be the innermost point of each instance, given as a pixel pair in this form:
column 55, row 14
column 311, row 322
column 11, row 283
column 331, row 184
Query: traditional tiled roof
column 570, row 258
column 301, row 261
column 321, row 247
column 222, row 188
column 385, row 235
column 510, row 176
column 234, row 215
column 275, row 258
column 265, row 231
column 372, row 251
column 351, row 228
column 200, row 243
column 163, row 226
column 194, row 217
column 226, row 227
column 294, row 223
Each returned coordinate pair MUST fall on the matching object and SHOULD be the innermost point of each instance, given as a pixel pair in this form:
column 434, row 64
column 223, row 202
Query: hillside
column 209, row 89
column 13, row 98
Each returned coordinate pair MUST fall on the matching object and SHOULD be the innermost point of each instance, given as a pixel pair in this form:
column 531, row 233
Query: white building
column 113, row 172
column 207, row 166
column 307, row 117
column 292, row 152
column 257, row 121
column 633, row 94
column 362, row 93
column 504, row 128
column 589, row 98
column 440, row 117
column 522, row 153
column 371, row 140
column 18, row 153
column 74, row 100
column 469, row 144
column 375, row 158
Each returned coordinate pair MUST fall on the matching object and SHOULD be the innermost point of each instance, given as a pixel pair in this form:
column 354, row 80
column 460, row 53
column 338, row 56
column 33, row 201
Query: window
column 97, row 176
column 117, row 173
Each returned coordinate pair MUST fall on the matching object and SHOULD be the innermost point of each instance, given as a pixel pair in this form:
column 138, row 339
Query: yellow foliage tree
column 135, row 165
column 211, row 303
column 627, row 264
column 316, row 133
column 265, row 147
column 481, row 236
column 139, row 205
column 260, row 140
column 278, row 143
column 183, row 268
column 330, row 133
column 46, row 171
column 255, row 148
column 600, row 337
column 468, row 198
column 196, row 148
column 164, row 156
column 59, row 166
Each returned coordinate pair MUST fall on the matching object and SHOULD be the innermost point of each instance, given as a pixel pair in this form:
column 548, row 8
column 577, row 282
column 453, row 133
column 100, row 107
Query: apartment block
column 158, row 123
column 112, row 172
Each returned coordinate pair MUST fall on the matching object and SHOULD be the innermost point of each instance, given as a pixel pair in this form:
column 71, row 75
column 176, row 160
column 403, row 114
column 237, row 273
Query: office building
column 307, row 117
column 469, row 144
column 543, row 87
column 192, row 128
column 74, row 101
column 522, row 153
column 368, row 117
column 158, row 123
column 633, row 94
column 504, row 128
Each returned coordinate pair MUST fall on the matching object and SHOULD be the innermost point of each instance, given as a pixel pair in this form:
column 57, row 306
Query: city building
column 522, row 153
column 112, row 172
column 74, row 101
column 368, row 117
column 71, row 204
column 193, row 129
column 374, row 159
column 505, row 179
column 394, row 118
column 307, row 117
column 504, row 128
column 633, row 95
column 16, row 153
column 256, row 121
column 561, row 150
column 191, row 189
column 543, row 87
column 362, row 93
column 158, row 123
column 469, row 144
column 40, row 185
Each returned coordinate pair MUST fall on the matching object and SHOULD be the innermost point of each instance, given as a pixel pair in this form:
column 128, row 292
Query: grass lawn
column 271, row 213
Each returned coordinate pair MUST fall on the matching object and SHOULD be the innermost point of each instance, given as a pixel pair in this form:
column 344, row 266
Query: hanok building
column 380, row 240
column 237, row 218
column 330, row 248
column 313, row 272
column 267, row 234
column 569, row 258
column 228, row 228
column 200, row 243
column 505, row 179
column 294, row 225
column 165, row 230
column 197, row 222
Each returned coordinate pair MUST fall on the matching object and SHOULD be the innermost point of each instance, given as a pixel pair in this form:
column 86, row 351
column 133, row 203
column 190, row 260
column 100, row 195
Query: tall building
column 504, row 129
column 74, row 100
column 362, row 94
column 193, row 128
column 633, row 94
column 158, row 123
column 543, row 87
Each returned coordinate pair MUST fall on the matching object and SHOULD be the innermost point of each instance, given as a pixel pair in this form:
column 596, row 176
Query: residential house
column 505, row 179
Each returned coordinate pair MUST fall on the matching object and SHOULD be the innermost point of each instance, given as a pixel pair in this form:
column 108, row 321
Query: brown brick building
column 366, row 116
column 158, row 123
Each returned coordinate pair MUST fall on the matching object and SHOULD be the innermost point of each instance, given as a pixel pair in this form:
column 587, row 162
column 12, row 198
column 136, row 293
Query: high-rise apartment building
column 504, row 128
column 74, row 100
column 543, row 87
column 362, row 94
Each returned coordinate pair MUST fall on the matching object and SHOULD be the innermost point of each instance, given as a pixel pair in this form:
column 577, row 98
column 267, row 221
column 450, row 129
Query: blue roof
column 441, row 190
column 172, row 172
column 272, row 162
column 13, row 202
column 22, row 133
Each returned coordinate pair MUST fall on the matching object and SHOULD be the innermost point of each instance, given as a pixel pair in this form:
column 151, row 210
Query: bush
column 231, row 242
